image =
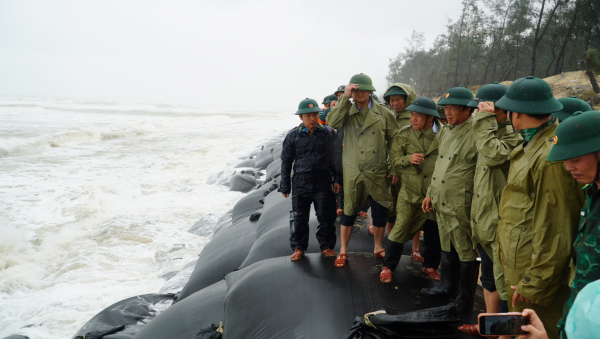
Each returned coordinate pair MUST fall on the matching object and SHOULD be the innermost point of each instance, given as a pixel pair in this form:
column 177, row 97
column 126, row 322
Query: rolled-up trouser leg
column 432, row 250
column 487, row 270
column 379, row 214
column 299, row 216
column 393, row 253
column 324, row 202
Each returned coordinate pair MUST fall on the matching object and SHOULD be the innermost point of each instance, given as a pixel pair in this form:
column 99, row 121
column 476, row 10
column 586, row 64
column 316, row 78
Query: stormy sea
column 97, row 200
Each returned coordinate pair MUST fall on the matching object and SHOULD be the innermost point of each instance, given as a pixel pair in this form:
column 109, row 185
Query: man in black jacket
column 310, row 148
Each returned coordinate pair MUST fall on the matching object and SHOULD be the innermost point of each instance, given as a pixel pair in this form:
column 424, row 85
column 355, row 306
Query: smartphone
column 493, row 324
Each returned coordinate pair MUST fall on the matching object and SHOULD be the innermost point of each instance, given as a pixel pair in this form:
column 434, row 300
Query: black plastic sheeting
column 187, row 317
column 128, row 312
column 427, row 323
column 311, row 298
column 223, row 254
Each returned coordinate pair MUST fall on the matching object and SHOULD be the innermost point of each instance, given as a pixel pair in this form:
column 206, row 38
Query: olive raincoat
column 495, row 141
column 539, row 214
column 365, row 152
column 451, row 188
column 415, row 179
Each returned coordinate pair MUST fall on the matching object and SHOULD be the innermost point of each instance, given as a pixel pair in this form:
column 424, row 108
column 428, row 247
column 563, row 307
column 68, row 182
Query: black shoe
column 469, row 272
column 448, row 285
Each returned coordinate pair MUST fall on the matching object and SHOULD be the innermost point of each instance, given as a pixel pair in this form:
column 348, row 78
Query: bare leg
column 345, row 232
column 389, row 227
column 379, row 232
column 415, row 242
column 492, row 301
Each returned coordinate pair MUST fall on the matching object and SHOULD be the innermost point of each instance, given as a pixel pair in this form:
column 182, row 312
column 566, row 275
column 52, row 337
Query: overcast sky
column 236, row 53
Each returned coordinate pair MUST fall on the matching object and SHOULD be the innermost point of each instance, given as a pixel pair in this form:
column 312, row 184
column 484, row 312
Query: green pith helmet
column 576, row 136
column 324, row 100
column 363, row 81
column 570, row 106
column 340, row 88
column 331, row 98
column 441, row 112
column 308, row 106
column 323, row 114
column 529, row 95
column 394, row 90
column 489, row 93
column 424, row 105
column 460, row 96
column 375, row 97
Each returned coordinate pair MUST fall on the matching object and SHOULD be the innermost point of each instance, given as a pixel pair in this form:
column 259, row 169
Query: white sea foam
column 96, row 200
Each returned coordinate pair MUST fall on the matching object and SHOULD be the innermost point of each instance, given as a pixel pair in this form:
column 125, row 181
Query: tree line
column 499, row 40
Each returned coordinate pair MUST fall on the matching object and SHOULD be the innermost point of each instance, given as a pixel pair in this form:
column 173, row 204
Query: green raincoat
column 539, row 214
column 403, row 119
column 451, row 188
column 415, row 179
column 365, row 152
column 495, row 141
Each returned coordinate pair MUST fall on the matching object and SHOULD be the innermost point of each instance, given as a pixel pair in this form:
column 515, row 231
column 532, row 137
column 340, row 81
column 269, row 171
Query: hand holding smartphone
column 495, row 324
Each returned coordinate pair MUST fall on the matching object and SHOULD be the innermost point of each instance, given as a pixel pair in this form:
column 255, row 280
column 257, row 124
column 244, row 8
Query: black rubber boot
column 469, row 272
column 447, row 287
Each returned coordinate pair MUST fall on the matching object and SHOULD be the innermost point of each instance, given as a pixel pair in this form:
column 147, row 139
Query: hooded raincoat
column 451, row 188
column 415, row 179
column 539, row 214
column 365, row 152
column 495, row 141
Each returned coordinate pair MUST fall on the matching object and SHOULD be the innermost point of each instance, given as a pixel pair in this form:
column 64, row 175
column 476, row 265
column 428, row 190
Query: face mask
column 528, row 133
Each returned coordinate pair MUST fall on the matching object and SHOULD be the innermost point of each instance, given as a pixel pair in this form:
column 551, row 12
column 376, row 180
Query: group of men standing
column 476, row 180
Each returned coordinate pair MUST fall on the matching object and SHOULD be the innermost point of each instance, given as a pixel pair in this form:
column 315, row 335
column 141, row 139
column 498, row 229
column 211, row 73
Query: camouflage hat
column 340, row 88
column 576, row 136
column 424, row 105
column 570, row 106
column 363, row 81
column 460, row 96
column 489, row 93
column 529, row 95
column 331, row 98
column 308, row 106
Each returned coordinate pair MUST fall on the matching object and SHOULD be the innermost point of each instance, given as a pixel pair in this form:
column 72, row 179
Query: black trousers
column 323, row 199
column 432, row 248
column 487, row 270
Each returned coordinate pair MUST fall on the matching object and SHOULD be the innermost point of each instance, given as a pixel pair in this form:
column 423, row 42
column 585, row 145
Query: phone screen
column 502, row 324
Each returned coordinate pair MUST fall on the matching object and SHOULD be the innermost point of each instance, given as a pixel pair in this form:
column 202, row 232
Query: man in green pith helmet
column 368, row 128
column 539, row 208
column 495, row 139
column 309, row 149
column 577, row 145
column 413, row 154
column 325, row 103
column 399, row 96
column 570, row 106
column 450, row 194
column 331, row 101
column 339, row 91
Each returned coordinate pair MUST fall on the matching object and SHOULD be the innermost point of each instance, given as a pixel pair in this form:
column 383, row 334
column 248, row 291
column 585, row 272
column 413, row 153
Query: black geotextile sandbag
column 311, row 298
column 223, row 254
column 16, row 336
column 275, row 213
column 250, row 203
column 273, row 169
column 129, row 311
column 276, row 152
column 242, row 182
column 211, row 331
column 187, row 317
column 264, row 158
column 427, row 323
column 246, row 163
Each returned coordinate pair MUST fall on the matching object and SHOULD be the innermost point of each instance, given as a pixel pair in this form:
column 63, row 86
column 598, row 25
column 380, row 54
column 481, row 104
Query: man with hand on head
column 368, row 128
column 310, row 149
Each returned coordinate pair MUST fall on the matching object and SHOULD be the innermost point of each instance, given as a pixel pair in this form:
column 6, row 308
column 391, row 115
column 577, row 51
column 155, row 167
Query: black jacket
column 312, row 157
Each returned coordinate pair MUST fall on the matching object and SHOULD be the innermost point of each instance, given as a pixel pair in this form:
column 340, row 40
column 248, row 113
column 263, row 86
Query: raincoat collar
column 301, row 128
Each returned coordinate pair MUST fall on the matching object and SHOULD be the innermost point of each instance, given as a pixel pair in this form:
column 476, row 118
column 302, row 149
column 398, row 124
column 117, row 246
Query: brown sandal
column 379, row 255
column 432, row 274
column 416, row 256
column 298, row 254
column 341, row 260
column 386, row 275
